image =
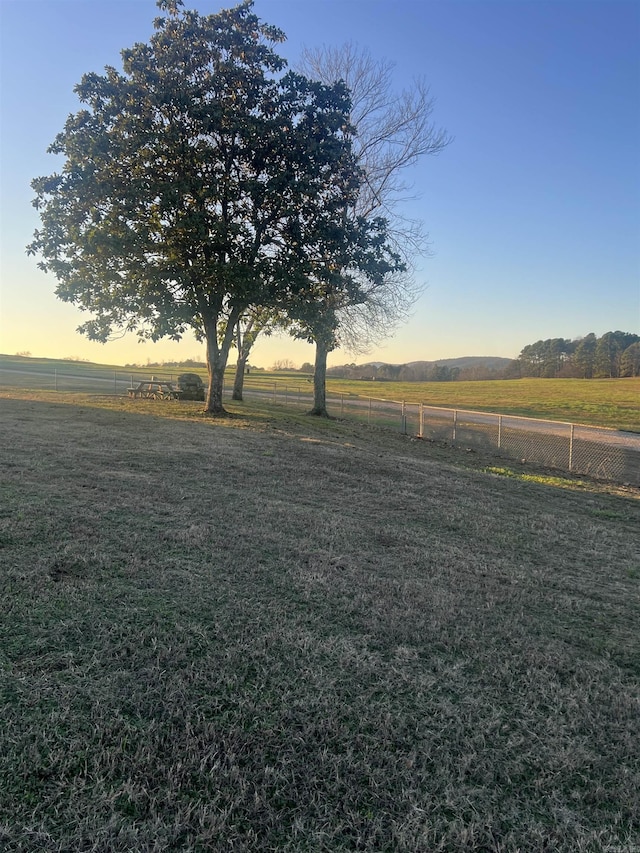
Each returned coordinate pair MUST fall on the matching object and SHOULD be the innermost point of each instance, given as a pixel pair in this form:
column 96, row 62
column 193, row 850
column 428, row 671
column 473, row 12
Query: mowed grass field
column 274, row 634
column 611, row 403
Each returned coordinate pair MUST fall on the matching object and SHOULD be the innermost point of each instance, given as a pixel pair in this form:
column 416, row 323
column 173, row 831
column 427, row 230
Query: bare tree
column 283, row 364
column 392, row 131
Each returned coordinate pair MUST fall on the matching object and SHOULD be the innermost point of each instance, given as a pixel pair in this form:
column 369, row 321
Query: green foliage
column 584, row 358
column 545, row 358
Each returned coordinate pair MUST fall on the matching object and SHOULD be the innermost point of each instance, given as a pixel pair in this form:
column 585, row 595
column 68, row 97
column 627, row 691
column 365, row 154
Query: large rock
column 190, row 387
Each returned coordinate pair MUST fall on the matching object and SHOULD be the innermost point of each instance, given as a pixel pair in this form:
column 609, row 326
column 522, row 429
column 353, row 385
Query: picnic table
column 154, row 389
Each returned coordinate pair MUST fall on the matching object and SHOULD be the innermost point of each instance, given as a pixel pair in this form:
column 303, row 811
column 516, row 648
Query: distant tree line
column 396, row 372
column 614, row 355
column 187, row 362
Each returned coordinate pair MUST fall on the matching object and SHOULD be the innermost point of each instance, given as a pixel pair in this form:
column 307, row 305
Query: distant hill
column 493, row 362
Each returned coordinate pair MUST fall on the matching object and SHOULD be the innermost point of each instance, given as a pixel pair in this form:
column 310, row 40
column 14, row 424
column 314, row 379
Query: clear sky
column 533, row 212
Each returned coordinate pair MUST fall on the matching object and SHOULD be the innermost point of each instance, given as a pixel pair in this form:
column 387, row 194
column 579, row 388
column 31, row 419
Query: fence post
column 421, row 421
column 286, row 395
column 341, row 405
column 274, row 392
column 55, row 377
column 403, row 419
column 499, row 431
column 455, row 423
column 571, row 448
column 369, row 415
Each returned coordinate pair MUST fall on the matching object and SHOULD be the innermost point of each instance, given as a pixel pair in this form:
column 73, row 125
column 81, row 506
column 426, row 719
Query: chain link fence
column 593, row 451
column 596, row 452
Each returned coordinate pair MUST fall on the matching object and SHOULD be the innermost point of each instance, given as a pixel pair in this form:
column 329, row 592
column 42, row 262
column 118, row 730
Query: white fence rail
column 597, row 452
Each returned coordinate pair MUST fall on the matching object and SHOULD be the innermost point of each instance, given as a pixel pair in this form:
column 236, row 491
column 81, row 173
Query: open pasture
column 270, row 634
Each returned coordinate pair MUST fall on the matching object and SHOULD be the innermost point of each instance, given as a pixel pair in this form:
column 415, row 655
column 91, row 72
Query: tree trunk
column 238, row 382
column 320, row 381
column 216, row 362
column 213, row 400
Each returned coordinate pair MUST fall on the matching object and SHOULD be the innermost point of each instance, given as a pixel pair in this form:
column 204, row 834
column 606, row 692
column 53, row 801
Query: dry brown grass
column 270, row 634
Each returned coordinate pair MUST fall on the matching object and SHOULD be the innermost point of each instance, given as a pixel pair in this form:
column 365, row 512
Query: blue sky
column 533, row 211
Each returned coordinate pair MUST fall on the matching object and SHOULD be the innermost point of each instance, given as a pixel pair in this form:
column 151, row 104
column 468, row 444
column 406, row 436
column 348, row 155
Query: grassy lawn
column 271, row 634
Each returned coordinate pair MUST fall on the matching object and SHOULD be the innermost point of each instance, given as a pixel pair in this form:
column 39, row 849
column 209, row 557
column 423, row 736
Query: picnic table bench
column 154, row 390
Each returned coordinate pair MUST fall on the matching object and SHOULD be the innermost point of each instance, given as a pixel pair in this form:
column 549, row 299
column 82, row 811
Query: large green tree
column 608, row 353
column 197, row 182
column 314, row 312
column 392, row 131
